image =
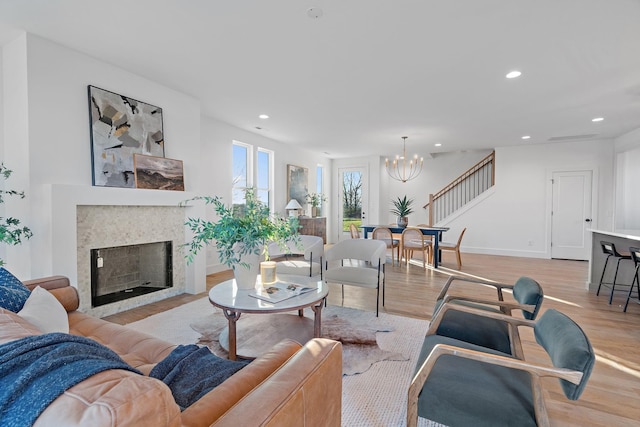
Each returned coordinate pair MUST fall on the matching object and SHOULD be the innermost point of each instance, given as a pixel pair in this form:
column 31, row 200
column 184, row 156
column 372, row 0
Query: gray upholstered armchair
column 357, row 262
column 309, row 249
column 460, row 384
column 485, row 331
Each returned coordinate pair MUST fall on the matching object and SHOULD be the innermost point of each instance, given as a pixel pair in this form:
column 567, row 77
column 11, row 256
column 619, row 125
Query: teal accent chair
column 486, row 332
column 457, row 383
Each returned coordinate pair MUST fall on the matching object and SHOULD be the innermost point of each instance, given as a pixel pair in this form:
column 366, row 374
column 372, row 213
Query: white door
column 571, row 215
column 354, row 202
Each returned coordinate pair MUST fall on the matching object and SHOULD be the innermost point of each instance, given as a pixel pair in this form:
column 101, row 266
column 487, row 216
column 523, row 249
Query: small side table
column 259, row 333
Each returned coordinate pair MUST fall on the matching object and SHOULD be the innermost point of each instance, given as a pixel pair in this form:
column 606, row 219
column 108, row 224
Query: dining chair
column 355, row 233
column 385, row 235
column 341, row 269
column 453, row 247
column 413, row 240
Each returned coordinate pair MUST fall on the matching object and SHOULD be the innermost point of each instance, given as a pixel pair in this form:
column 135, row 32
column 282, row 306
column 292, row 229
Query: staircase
column 476, row 180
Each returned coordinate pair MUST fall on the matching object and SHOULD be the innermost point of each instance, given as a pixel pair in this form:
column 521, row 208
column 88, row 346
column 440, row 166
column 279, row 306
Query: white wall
column 45, row 84
column 3, row 251
column 437, row 172
column 54, row 146
column 45, row 140
column 16, row 144
column 627, row 213
column 517, row 211
column 217, row 139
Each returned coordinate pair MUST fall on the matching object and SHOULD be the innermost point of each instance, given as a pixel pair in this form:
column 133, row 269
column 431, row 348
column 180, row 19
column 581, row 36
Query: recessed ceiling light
column 526, row 137
column 314, row 12
column 263, row 116
column 438, row 145
column 513, row 74
column 597, row 119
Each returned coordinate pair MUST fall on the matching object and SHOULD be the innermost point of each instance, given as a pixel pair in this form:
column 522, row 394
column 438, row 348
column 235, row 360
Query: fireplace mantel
column 65, row 200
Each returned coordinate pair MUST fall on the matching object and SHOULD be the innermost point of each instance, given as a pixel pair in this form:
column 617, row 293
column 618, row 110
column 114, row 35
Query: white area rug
column 353, row 328
column 377, row 397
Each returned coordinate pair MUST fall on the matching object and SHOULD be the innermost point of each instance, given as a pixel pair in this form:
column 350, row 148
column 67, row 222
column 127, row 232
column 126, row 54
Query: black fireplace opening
column 122, row 272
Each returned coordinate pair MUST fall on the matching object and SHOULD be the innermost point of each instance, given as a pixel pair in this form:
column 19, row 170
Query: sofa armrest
column 48, row 283
column 60, row 287
column 305, row 391
column 218, row 401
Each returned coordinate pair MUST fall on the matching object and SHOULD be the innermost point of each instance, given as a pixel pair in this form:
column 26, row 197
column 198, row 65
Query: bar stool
column 635, row 256
column 609, row 249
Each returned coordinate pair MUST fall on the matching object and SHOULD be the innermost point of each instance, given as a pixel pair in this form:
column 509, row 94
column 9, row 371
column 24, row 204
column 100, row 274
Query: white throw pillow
column 45, row 312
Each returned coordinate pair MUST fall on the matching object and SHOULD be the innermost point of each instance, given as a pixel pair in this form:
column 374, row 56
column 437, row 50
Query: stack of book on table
column 280, row 291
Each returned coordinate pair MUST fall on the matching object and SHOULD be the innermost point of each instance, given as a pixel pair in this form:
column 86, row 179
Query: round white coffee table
column 259, row 333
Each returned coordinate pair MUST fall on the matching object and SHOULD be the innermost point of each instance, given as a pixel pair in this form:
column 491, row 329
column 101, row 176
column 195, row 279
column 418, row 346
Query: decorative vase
column 267, row 272
column 315, row 211
column 246, row 277
column 402, row 221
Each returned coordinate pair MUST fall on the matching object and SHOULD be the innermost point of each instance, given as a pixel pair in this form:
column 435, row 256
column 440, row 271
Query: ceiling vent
column 572, row 137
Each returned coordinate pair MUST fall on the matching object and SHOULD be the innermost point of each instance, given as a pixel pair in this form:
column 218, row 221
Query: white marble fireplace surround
column 84, row 218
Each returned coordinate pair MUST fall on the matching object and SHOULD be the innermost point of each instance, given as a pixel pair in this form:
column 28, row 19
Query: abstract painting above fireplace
column 120, row 127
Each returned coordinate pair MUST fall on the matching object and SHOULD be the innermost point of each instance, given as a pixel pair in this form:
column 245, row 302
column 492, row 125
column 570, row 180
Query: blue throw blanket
column 35, row 370
column 191, row 372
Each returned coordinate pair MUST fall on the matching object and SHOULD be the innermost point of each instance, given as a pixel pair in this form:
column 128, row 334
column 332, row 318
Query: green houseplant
column 241, row 235
column 315, row 199
column 11, row 232
column 402, row 209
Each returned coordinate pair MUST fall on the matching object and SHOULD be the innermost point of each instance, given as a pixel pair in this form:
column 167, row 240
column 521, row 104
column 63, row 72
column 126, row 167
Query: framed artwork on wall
column 158, row 173
column 121, row 127
column 297, row 183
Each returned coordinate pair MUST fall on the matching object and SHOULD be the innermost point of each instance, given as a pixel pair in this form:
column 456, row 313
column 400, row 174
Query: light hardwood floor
column 612, row 396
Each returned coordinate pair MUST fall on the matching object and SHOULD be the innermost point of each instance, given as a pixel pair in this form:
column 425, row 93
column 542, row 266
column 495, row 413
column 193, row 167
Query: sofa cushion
column 44, row 311
column 13, row 327
column 13, row 294
column 35, row 370
column 140, row 350
column 113, row 398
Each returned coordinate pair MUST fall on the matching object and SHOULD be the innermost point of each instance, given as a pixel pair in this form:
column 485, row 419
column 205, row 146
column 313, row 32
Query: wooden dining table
column 428, row 231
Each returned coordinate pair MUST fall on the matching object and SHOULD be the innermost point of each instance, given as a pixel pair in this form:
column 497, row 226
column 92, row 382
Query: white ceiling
column 368, row 72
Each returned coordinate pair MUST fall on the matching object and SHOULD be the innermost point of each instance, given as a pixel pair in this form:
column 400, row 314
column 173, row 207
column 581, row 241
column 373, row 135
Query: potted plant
column 11, row 232
column 315, row 199
column 241, row 235
column 402, row 209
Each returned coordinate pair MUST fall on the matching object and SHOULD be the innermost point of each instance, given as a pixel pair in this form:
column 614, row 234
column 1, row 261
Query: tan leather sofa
column 291, row 385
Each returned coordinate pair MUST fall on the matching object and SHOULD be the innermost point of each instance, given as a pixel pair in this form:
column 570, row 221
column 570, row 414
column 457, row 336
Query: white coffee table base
column 257, row 333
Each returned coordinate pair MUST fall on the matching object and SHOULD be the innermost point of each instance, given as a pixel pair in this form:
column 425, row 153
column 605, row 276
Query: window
column 320, row 181
column 241, row 177
column 264, row 174
column 248, row 174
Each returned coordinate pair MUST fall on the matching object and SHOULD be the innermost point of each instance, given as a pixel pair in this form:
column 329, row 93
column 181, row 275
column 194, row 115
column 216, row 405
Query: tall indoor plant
column 11, row 232
column 402, row 209
column 241, row 235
